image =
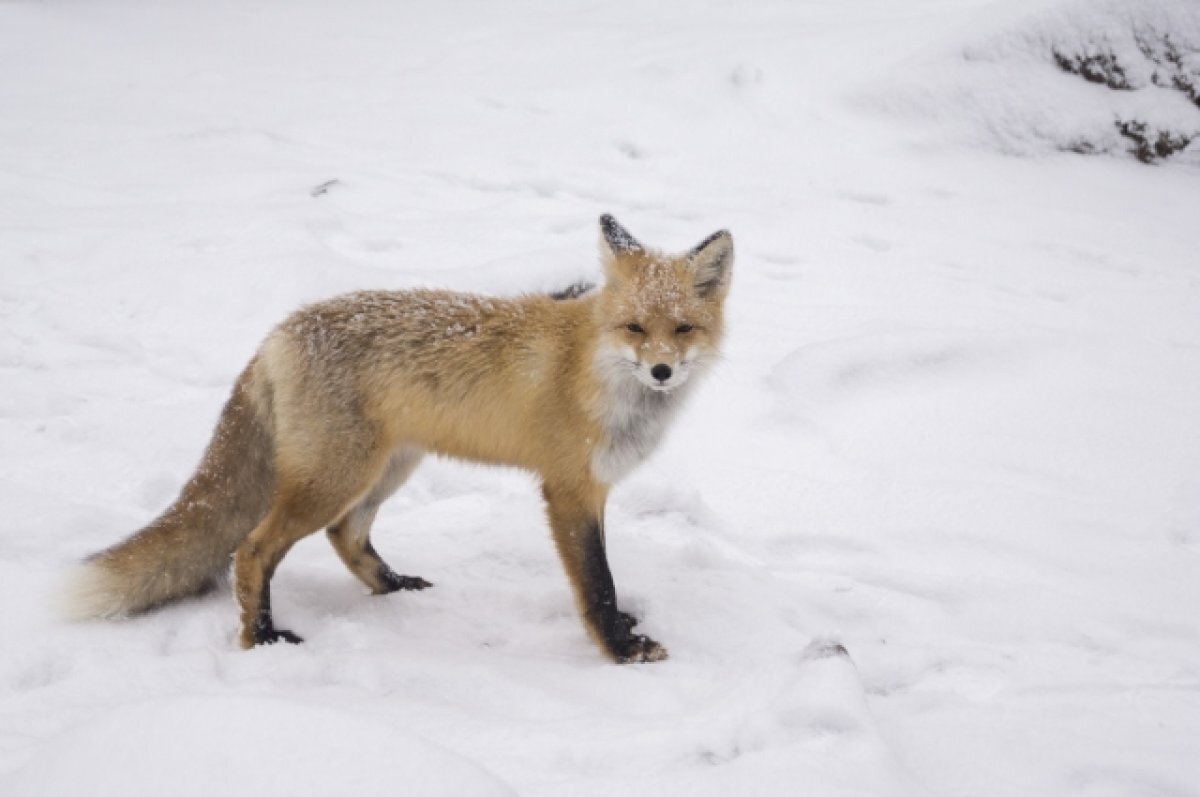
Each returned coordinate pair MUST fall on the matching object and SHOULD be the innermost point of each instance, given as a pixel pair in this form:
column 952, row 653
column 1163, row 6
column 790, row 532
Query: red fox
column 344, row 397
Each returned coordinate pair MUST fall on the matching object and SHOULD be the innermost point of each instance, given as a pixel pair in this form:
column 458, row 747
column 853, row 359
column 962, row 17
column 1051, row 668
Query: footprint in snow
column 819, row 704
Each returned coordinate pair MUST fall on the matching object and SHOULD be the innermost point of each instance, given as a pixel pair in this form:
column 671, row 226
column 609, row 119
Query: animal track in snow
column 835, row 370
column 873, row 242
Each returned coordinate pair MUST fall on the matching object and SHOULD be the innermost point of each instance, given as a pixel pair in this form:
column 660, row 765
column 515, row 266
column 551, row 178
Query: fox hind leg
column 307, row 498
column 254, row 565
column 351, row 534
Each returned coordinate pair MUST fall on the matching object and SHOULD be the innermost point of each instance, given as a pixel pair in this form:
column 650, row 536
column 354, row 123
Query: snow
column 267, row 746
column 954, row 429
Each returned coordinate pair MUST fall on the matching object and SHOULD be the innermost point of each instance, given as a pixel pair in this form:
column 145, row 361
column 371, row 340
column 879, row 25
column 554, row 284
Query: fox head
column 661, row 316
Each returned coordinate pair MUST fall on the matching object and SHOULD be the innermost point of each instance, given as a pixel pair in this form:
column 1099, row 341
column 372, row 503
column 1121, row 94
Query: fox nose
column 661, row 372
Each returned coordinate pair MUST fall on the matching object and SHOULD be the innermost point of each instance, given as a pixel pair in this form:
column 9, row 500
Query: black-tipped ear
column 712, row 261
column 618, row 239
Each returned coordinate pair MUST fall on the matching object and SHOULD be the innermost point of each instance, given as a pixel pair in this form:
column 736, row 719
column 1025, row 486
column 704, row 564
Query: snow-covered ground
column 957, row 430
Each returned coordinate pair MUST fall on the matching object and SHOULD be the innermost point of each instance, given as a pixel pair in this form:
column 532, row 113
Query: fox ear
column 617, row 238
column 711, row 261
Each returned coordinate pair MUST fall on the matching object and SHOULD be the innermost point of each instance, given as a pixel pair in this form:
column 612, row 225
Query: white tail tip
column 90, row 592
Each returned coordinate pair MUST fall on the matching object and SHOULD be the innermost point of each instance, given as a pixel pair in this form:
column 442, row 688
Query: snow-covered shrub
column 1090, row 76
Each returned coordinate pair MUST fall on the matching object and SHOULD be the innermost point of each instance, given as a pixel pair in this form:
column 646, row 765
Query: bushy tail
column 186, row 550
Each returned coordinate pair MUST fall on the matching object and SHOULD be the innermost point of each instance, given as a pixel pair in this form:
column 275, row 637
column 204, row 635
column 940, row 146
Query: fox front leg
column 612, row 628
column 579, row 536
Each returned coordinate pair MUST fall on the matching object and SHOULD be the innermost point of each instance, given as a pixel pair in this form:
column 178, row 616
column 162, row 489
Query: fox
column 345, row 397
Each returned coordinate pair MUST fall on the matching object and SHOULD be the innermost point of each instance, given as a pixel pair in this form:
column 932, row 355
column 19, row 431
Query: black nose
column 661, row 372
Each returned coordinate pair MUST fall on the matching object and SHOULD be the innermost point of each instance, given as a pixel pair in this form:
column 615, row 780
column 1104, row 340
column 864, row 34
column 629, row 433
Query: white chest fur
column 634, row 421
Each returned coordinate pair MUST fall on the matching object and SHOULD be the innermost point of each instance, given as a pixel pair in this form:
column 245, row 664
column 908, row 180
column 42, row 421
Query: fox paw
column 393, row 582
column 263, row 631
column 638, row 648
column 267, row 634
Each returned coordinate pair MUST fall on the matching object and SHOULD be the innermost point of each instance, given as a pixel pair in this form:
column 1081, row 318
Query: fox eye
column 635, row 329
column 683, row 329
